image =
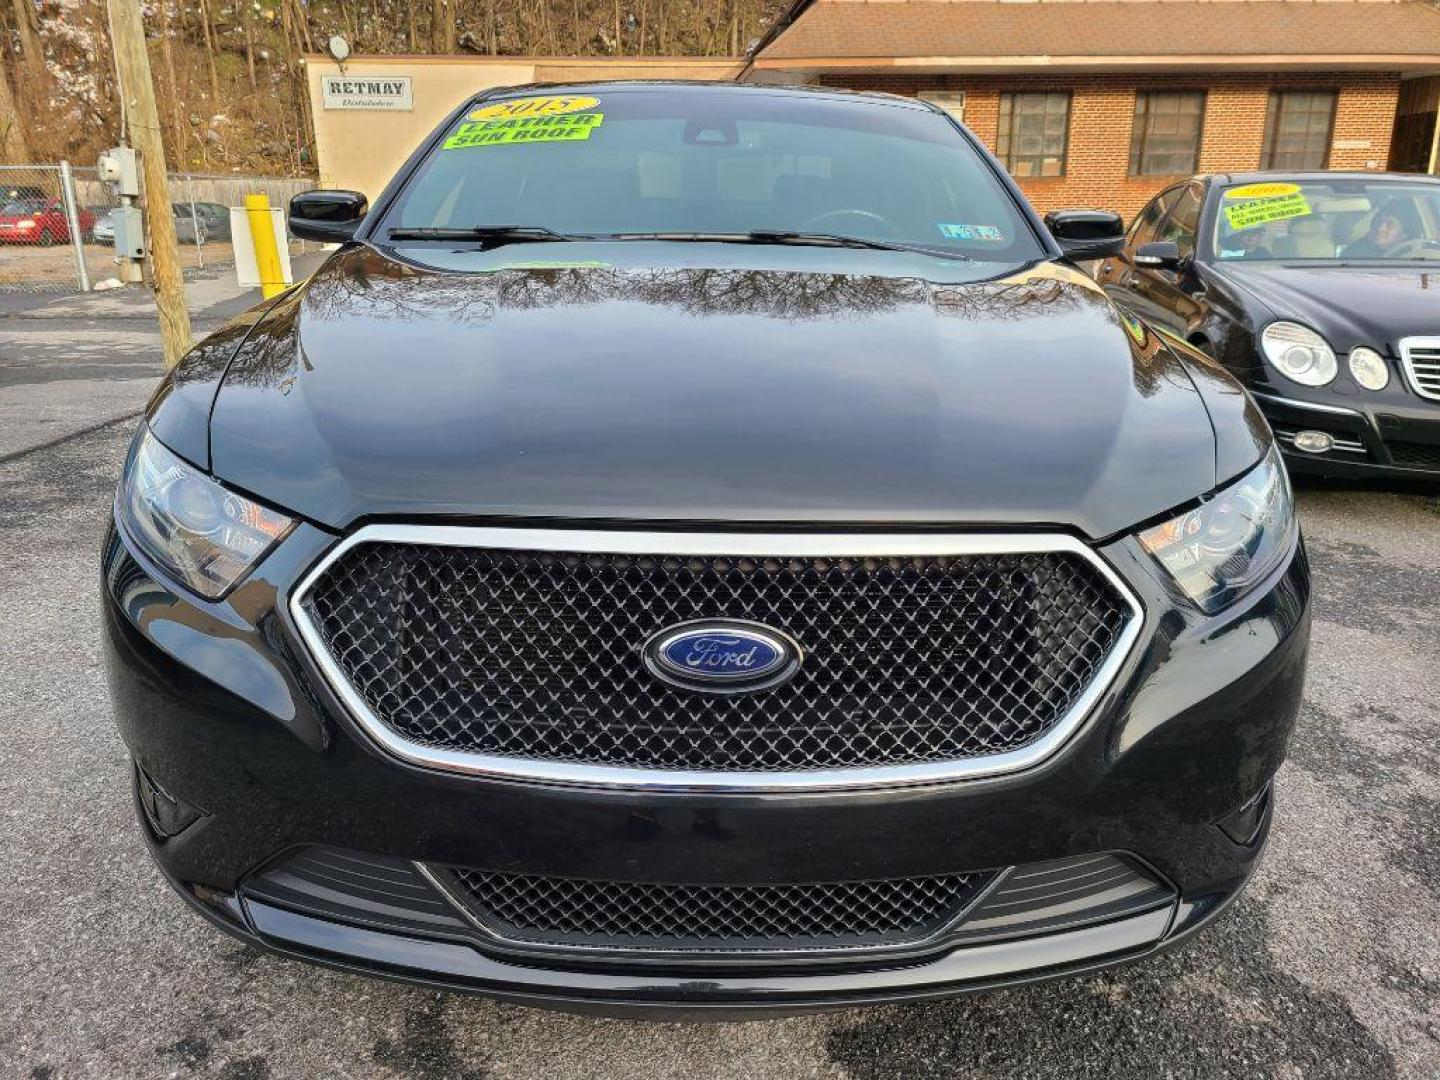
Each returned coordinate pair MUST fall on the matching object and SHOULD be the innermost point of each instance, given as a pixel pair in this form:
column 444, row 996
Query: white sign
column 392, row 92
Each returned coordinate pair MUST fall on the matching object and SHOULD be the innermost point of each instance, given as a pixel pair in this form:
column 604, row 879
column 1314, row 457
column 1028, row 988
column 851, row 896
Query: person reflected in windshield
column 1396, row 223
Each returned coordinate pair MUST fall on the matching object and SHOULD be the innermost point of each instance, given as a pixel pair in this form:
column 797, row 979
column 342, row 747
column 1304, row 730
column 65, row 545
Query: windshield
column 22, row 206
column 682, row 160
column 1382, row 220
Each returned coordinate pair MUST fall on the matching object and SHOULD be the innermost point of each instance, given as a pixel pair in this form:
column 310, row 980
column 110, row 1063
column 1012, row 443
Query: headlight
column 1368, row 368
column 1221, row 549
column 1299, row 353
column 203, row 535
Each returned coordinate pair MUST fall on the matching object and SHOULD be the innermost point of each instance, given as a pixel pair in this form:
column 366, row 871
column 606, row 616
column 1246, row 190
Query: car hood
column 665, row 390
column 1374, row 306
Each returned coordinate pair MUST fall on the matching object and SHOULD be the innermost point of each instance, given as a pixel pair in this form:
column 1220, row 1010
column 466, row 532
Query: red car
column 40, row 221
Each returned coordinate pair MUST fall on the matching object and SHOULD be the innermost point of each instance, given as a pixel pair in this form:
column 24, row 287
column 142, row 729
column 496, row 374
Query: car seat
column 1307, row 238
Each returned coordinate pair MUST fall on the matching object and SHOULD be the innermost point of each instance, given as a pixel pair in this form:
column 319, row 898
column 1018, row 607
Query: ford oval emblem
column 722, row 656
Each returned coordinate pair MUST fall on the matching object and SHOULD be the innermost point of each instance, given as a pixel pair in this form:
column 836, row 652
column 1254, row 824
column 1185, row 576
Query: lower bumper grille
column 1410, row 455
column 715, row 918
column 556, row 921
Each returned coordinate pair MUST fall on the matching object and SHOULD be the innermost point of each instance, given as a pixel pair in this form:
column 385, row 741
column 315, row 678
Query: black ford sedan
column 703, row 548
column 1320, row 292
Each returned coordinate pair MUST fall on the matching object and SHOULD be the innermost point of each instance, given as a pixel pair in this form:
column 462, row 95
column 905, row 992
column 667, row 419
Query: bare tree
column 208, row 33
column 442, row 28
column 247, row 28
column 172, row 84
column 27, row 27
column 14, row 146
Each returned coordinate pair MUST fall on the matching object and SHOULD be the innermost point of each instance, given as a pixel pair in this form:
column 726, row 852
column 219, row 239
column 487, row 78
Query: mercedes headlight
column 1299, row 353
column 204, row 536
column 1367, row 368
column 1221, row 549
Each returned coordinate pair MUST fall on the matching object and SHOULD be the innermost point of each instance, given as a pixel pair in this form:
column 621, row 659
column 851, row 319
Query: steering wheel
column 1407, row 248
column 867, row 216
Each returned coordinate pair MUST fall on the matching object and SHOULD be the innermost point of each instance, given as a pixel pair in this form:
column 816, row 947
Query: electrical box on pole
column 129, row 225
column 118, row 168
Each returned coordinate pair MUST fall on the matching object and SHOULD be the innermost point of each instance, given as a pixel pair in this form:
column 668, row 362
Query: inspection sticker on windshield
column 1255, row 204
column 957, row 231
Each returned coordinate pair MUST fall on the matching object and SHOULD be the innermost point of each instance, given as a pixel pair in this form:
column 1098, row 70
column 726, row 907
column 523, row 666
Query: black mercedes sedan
column 1320, row 292
column 707, row 549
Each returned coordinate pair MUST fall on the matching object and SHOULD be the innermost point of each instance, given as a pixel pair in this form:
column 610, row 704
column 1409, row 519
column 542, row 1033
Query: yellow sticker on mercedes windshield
column 555, row 127
column 1262, row 191
column 534, row 106
column 1252, row 212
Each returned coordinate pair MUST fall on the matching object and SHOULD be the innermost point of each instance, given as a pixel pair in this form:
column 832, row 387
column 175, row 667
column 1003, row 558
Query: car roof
column 1311, row 175
column 672, row 86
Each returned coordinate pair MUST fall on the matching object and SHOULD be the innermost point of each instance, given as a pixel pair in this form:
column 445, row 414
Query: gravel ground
column 1329, row 966
column 29, row 266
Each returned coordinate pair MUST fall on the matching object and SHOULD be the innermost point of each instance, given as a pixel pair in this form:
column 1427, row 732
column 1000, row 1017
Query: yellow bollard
column 262, row 235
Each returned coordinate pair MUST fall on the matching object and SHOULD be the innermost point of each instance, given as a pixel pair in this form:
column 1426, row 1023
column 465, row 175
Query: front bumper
column 1396, row 436
column 461, row 966
column 219, row 704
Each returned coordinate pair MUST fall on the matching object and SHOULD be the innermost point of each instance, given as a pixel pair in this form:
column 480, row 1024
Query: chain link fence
column 56, row 232
column 36, row 248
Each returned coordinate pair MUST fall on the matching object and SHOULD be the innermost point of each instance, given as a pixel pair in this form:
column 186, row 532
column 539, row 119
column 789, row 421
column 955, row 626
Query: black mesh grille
column 525, row 907
column 1411, row 455
column 538, row 655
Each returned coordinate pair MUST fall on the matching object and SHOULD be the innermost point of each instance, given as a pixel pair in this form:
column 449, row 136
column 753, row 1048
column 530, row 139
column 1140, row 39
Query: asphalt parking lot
column 1328, row 967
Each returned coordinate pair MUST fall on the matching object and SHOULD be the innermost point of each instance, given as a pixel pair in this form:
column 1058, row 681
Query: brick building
column 1102, row 103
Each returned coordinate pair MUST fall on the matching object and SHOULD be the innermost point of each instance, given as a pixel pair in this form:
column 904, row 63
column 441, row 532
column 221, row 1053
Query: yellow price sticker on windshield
column 534, row 106
column 1262, row 191
column 1253, row 211
column 555, row 127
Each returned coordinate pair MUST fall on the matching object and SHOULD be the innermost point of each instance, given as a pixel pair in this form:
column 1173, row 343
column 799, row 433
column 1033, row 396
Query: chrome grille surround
column 730, row 545
column 1420, row 356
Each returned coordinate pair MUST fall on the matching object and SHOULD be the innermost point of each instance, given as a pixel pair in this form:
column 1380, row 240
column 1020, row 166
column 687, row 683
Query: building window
column 952, row 101
column 1165, row 140
column 1034, row 133
column 1298, row 127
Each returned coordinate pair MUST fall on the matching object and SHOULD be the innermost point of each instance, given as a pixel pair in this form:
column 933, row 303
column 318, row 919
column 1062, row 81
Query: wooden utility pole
column 137, row 92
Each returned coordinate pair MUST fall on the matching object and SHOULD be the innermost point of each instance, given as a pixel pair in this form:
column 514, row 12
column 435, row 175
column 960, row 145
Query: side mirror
column 1158, row 255
column 330, row 217
column 1087, row 234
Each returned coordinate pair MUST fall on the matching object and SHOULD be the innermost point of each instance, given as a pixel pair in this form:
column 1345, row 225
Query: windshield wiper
column 498, row 234
column 512, row 234
column 787, row 237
